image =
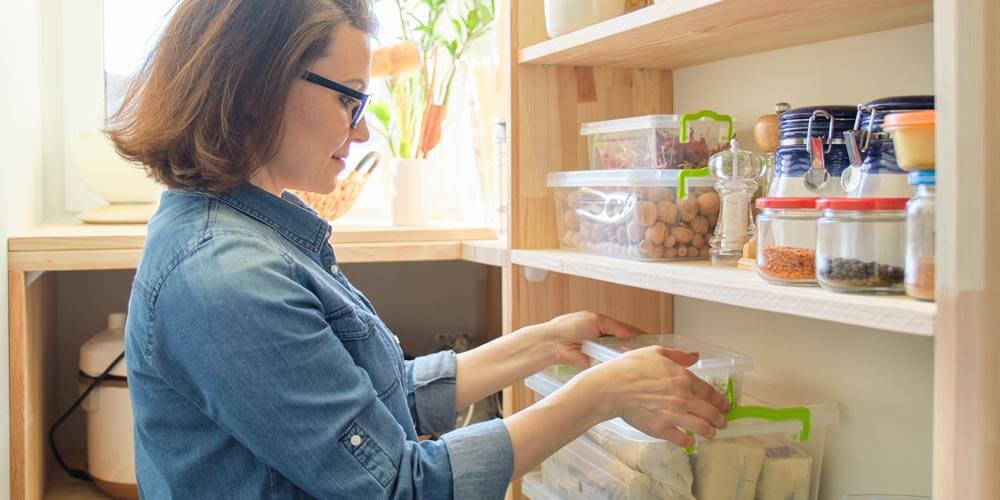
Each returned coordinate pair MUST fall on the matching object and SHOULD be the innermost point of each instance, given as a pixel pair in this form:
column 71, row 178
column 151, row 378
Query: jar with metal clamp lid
column 736, row 172
column 811, row 154
column 874, row 171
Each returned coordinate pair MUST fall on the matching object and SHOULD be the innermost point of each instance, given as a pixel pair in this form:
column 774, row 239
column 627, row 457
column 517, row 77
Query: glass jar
column 796, row 159
column 860, row 244
column 919, row 279
column 786, row 240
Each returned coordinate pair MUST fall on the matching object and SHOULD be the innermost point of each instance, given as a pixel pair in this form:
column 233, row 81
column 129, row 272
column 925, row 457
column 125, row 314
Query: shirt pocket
column 371, row 345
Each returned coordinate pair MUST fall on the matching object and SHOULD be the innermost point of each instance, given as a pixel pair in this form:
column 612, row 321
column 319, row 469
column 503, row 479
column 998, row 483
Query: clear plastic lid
column 625, row 178
column 631, row 123
column 758, row 392
column 710, row 357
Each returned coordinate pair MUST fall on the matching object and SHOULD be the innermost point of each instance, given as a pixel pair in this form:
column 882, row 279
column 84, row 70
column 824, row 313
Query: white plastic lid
column 644, row 177
column 630, row 124
column 710, row 356
column 101, row 349
column 756, row 393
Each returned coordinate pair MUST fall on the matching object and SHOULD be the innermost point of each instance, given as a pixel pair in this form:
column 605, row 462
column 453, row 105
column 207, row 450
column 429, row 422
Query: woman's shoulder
column 194, row 230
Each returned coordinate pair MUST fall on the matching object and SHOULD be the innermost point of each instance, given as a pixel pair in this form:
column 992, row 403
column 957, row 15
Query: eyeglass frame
column 362, row 98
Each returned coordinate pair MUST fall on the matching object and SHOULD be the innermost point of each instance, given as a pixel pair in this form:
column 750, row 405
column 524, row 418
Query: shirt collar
column 288, row 215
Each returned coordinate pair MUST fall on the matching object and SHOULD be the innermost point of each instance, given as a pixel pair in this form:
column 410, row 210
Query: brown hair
column 205, row 109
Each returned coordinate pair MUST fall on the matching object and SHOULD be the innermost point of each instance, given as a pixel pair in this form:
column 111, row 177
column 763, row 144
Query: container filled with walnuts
column 641, row 214
column 657, row 141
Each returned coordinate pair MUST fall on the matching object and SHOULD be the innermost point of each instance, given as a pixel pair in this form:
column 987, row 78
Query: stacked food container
column 772, row 449
column 648, row 195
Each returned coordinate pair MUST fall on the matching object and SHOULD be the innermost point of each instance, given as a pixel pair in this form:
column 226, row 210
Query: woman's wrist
column 593, row 390
column 544, row 341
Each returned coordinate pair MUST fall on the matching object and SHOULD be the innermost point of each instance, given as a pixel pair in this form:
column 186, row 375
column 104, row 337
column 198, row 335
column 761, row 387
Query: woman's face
column 317, row 135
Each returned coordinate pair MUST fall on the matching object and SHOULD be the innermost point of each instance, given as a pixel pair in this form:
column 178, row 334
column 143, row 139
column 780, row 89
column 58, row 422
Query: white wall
column 20, row 169
column 882, row 381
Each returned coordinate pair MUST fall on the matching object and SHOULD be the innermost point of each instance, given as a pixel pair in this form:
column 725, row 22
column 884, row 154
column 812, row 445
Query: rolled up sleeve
column 482, row 460
column 430, row 392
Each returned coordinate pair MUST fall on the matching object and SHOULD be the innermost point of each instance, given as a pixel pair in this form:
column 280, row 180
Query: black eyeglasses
column 359, row 111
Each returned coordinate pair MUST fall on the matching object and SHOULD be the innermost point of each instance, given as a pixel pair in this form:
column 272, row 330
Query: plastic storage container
column 715, row 365
column 657, row 141
column 533, row 488
column 860, row 244
column 786, row 240
column 919, row 275
column 565, row 16
column 795, row 156
column 912, row 138
column 636, row 214
column 751, row 458
column 582, row 469
column 874, row 172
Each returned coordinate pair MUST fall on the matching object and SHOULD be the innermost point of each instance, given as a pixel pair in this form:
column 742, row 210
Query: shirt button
column 335, row 269
column 356, row 440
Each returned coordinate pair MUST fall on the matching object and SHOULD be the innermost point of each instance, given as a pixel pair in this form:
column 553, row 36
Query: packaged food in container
column 636, row 214
column 720, row 367
column 772, row 449
column 657, row 141
column 912, row 138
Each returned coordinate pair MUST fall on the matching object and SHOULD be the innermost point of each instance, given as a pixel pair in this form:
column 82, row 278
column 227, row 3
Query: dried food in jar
column 788, row 263
column 920, row 283
column 860, row 274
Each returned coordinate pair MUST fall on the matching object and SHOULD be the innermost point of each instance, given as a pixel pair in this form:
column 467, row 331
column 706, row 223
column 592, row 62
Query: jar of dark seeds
column 861, row 244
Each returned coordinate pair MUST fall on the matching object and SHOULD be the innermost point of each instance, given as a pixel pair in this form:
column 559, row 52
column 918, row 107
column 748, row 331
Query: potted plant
column 419, row 71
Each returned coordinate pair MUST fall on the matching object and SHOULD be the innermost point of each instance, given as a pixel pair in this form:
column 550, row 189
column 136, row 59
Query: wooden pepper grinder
column 765, row 134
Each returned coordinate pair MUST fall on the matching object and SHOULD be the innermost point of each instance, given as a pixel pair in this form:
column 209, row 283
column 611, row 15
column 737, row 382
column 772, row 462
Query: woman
column 256, row 369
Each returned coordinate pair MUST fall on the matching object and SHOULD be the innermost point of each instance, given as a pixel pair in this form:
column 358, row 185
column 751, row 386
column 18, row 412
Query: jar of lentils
column 861, row 244
column 786, row 240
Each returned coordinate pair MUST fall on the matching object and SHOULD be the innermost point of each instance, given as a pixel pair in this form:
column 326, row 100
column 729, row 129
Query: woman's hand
column 566, row 334
column 651, row 389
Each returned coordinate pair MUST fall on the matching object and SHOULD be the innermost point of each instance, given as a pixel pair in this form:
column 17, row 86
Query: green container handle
column 682, row 178
column 801, row 414
column 705, row 113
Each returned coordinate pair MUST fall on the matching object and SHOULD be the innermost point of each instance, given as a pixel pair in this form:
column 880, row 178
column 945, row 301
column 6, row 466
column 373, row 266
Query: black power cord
column 82, row 475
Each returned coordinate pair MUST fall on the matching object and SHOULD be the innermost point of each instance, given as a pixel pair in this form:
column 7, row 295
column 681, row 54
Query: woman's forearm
column 499, row 363
column 543, row 428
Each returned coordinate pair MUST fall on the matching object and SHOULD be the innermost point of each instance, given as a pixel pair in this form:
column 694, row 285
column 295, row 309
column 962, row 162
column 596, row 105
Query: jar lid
column 791, row 202
column 912, row 118
column 902, row 102
column 838, row 111
column 922, row 178
column 861, row 204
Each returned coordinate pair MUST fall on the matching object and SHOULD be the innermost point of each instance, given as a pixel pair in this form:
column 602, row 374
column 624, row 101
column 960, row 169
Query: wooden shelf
column 98, row 247
column 678, row 33
column 741, row 288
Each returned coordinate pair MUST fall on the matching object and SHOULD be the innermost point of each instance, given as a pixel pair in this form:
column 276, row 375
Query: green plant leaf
column 472, row 20
column 382, row 114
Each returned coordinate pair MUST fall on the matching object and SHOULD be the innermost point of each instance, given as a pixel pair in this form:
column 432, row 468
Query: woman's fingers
column 676, row 436
column 706, row 411
column 692, row 423
column 682, row 358
column 615, row 328
column 706, row 391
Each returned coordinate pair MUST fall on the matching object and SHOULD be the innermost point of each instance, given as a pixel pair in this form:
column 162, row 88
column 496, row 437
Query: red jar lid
column 804, row 203
column 862, row 203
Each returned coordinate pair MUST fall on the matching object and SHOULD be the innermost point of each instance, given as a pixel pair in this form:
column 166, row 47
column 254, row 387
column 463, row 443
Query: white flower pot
column 130, row 193
column 412, row 182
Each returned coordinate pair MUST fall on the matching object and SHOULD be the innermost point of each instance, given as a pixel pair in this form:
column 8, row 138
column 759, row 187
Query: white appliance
column 110, row 451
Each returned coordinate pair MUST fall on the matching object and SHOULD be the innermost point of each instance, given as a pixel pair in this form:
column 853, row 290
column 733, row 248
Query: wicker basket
column 332, row 205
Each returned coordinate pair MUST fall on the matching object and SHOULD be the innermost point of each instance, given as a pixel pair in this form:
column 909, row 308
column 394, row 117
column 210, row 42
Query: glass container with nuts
column 635, row 214
column 860, row 244
column 786, row 240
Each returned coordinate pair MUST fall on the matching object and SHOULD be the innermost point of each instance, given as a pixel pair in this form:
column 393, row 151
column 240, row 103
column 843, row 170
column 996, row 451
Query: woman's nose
column 361, row 133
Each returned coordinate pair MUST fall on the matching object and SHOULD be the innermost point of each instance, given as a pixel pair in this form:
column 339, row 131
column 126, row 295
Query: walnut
column 703, row 252
column 670, row 241
column 683, row 234
column 708, row 203
column 670, row 253
column 682, row 251
column 700, row 225
column 634, row 231
column 656, row 194
column 650, row 250
column 666, row 211
column 698, row 241
column 712, row 221
column 688, row 208
column 656, row 233
column 645, row 213
column 573, row 198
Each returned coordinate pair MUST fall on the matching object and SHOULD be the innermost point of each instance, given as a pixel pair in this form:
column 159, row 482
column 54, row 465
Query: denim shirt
column 256, row 370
